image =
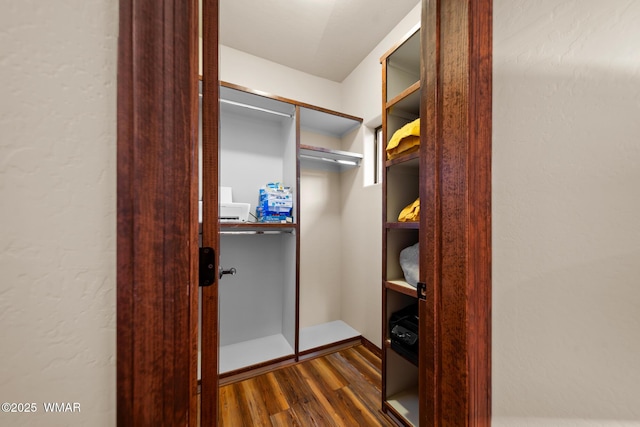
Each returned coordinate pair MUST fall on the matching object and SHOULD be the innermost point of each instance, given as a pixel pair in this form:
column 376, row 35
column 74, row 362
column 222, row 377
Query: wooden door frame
column 210, row 229
column 456, row 103
column 157, row 213
column 157, row 203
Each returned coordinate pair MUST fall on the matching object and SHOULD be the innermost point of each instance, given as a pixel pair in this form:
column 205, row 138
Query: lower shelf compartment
column 261, row 350
column 406, row 404
column 247, row 353
column 324, row 334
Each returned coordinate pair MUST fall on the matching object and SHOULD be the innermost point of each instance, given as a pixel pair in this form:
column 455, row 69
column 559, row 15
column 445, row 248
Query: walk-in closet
column 331, row 213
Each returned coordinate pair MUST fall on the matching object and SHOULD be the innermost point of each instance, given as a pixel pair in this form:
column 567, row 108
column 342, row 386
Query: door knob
column 222, row 272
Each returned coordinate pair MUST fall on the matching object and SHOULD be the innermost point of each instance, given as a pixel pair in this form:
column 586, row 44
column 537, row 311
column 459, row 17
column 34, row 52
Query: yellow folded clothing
column 411, row 213
column 404, row 140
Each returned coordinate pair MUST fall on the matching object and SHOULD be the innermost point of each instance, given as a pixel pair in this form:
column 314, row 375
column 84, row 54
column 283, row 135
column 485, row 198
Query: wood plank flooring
column 338, row 389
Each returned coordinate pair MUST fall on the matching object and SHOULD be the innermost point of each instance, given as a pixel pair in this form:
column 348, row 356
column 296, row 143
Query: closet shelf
column 411, row 160
column 318, row 336
column 402, row 287
column 408, row 100
column 254, row 352
column 256, row 228
column 406, row 403
column 414, row 225
column 336, row 159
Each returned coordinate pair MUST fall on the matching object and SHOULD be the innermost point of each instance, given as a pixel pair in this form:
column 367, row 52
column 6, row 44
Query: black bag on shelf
column 403, row 327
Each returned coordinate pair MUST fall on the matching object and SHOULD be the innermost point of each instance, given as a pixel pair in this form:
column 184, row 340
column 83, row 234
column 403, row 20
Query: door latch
column 207, row 268
column 422, row 290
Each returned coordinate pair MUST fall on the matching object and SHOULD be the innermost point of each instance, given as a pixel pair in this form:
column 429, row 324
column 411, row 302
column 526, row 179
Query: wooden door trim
column 430, row 215
column 210, row 229
column 456, row 108
column 157, row 225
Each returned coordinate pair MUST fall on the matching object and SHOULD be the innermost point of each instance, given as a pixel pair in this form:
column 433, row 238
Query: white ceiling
column 326, row 38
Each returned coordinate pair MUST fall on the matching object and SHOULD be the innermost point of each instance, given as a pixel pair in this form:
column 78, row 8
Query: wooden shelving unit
column 401, row 186
column 265, row 138
column 441, row 73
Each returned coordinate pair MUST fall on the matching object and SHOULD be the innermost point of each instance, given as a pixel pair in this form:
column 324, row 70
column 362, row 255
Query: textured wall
column 566, row 213
column 57, row 215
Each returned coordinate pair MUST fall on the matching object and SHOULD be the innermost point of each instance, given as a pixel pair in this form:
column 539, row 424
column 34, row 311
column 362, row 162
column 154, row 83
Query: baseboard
column 371, row 347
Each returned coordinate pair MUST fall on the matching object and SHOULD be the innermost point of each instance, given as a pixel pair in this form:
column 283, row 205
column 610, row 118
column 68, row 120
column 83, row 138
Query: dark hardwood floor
column 338, row 389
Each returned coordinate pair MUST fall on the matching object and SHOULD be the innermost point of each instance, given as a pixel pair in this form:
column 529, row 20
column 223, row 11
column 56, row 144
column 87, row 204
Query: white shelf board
column 326, row 123
column 325, row 333
column 407, row 404
column 262, row 103
column 252, row 352
column 402, row 286
column 403, row 283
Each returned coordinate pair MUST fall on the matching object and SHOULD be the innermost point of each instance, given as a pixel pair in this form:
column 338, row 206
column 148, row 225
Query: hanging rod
column 252, row 107
column 251, row 232
column 324, row 159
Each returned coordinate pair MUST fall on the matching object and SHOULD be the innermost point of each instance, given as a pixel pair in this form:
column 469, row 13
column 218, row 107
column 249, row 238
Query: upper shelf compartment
column 253, row 105
column 403, row 65
column 407, row 104
column 324, row 134
column 327, row 122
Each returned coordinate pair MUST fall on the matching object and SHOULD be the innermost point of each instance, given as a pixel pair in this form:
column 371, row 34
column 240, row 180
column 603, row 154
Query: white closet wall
column 321, row 233
column 257, row 73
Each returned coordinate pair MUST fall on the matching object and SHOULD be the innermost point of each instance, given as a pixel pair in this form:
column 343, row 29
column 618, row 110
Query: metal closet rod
column 241, row 232
column 324, row 159
column 252, row 107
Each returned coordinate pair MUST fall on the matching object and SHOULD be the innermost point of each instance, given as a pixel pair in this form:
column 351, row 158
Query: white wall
column 320, row 230
column 566, row 213
column 362, row 89
column 57, row 215
column 259, row 74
